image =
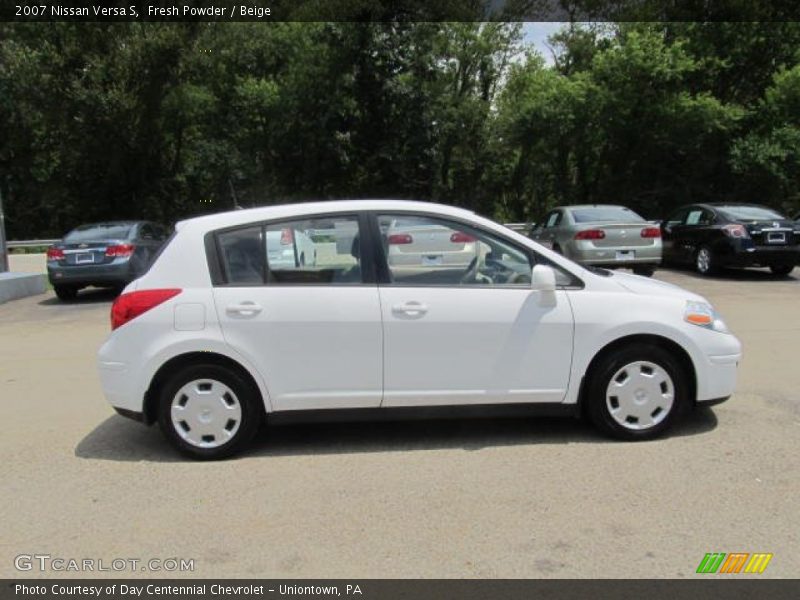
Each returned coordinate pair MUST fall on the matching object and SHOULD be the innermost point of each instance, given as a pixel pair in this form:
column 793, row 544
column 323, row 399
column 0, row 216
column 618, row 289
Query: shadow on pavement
column 120, row 439
column 753, row 274
column 88, row 296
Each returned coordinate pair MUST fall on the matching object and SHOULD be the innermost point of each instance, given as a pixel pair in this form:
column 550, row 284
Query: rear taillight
column 651, row 232
column 459, row 237
column 54, row 253
column 129, row 306
column 735, row 231
column 590, row 234
column 400, row 238
column 287, row 237
column 120, row 250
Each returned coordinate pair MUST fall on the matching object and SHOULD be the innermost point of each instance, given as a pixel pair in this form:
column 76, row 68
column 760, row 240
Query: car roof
column 574, row 206
column 279, row 211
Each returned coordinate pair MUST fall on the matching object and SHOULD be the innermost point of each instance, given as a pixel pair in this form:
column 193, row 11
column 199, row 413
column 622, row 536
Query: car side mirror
column 543, row 279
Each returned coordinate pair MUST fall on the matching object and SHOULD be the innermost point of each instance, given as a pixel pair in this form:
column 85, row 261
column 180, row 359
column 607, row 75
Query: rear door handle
column 245, row 309
column 410, row 308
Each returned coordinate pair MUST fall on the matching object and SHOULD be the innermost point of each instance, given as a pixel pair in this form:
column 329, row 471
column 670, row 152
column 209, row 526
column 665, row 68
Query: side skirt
column 416, row 413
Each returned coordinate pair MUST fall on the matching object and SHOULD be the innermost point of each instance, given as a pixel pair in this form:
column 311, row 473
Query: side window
column 242, row 256
column 428, row 251
column 707, row 218
column 146, row 232
column 676, row 218
column 553, row 219
column 693, row 218
column 314, row 251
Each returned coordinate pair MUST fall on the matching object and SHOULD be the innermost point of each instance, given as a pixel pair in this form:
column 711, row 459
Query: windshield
column 605, row 214
column 100, row 231
column 750, row 213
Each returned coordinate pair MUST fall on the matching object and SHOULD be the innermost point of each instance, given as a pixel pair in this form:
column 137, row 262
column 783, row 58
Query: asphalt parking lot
column 486, row 498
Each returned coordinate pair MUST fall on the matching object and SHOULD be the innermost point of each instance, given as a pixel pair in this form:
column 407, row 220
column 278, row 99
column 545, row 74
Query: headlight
column 703, row 314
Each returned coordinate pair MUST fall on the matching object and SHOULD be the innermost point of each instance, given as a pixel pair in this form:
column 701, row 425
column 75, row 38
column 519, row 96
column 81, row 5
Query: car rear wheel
column 781, row 270
column 637, row 393
column 209, row 411
column 66, row 292
column 705, row 262
column 644, row 271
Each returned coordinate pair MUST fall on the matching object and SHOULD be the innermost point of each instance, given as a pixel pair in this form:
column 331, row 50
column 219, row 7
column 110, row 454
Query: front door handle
column 412, row 309
column 245, row 309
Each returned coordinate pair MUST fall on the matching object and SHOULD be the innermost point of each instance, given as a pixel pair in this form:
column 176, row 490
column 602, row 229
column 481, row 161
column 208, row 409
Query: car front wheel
column 637, row 393
column 209, row 411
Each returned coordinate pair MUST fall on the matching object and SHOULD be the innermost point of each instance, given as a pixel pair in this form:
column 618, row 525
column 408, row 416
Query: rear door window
column 243, row 256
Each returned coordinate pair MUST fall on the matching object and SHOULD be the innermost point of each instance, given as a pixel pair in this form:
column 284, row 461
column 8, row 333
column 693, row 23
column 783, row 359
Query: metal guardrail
column 29, row 243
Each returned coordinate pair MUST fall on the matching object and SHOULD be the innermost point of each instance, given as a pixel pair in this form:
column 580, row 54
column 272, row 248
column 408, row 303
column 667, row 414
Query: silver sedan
column 603, row 235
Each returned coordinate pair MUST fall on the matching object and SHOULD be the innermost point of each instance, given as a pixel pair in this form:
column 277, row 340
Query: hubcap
column 206, row 413
column 703, row 260
column 640, row 395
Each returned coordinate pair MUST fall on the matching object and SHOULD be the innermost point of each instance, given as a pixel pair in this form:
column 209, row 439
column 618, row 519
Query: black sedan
column 110, row 254
column 711, row 236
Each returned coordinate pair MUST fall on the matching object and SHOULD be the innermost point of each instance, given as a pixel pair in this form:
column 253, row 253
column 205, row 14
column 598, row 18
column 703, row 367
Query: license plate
column 82, row 259
column 776, row 238
column 432, row 260
column 625, row 255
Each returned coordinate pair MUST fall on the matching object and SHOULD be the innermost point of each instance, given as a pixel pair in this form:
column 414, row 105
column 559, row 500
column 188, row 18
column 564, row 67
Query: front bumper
column 742, row 255
column 719, row 380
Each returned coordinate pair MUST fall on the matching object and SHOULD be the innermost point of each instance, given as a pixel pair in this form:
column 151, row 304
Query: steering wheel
column 519, row 278
column 471, row 271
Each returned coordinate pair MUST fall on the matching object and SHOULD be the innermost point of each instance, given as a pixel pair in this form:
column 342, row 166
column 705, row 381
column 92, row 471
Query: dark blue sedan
column 110, row 254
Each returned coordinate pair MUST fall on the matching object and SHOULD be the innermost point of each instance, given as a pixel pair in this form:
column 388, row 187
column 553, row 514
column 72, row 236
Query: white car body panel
column 343, row 347
column 513, row 350
column 318, row 348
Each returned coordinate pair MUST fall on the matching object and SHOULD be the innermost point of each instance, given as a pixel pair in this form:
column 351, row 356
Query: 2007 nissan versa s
column 215, row 337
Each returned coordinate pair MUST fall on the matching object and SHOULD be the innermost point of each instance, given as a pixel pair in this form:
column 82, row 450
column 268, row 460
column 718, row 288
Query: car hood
column 653, row 287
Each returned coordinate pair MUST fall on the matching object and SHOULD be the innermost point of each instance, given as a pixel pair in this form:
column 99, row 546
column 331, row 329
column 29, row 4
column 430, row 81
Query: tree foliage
column 165, row 121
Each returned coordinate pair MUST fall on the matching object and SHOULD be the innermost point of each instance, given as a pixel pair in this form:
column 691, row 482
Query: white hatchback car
column 214, row 337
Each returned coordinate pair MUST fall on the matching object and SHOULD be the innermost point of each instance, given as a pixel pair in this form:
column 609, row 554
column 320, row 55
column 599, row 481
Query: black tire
column 644, row 270
column 252, row 410
column 557, row 249
column 66, row 293
column 781, row 270
column 704, row 261
column 597, row 405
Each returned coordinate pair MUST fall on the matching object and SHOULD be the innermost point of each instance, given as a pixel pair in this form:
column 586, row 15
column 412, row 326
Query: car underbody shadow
column 120, row 439
column 90, row 295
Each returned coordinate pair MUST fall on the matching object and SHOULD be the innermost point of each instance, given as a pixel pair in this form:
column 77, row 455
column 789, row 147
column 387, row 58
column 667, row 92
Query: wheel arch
column 675, row 349
column 189, row 358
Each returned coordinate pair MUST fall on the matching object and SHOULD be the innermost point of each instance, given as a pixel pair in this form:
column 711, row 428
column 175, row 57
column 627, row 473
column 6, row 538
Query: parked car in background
column 716, row 235
column 603, row 235
column 291, row 247
column 210, row 350
column 414, row 242
column 109, row 254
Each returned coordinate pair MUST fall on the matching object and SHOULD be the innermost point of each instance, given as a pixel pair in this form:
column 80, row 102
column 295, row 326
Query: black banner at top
column 397, row 10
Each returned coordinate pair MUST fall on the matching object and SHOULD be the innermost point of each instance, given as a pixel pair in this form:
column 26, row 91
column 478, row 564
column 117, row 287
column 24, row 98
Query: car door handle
column 410, row 308
column 246, row 309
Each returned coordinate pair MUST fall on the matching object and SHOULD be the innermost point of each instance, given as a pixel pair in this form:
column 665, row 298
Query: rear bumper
column 585, row 252
column 111, row 274
column 753, row 256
